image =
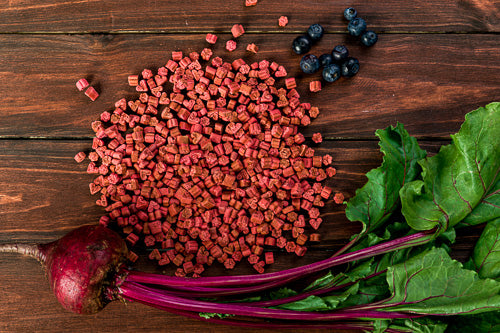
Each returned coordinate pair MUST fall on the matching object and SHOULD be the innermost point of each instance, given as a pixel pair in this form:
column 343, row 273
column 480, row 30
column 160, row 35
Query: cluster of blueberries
column 337, row 63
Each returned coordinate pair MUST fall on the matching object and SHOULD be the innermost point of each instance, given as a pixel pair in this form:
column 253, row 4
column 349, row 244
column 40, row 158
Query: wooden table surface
column 434, row 62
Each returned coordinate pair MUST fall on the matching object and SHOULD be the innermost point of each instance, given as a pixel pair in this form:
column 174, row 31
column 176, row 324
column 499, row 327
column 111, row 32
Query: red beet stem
column 136, row 292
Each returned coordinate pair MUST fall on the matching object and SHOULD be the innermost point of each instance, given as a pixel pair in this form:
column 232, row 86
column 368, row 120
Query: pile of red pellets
column 214, row 169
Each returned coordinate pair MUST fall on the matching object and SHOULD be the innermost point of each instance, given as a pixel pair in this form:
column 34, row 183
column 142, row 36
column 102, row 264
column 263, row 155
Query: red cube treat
column 80, row 157
column 237, row 30
column 91, row 93
column 82, row 84
column 290, row 83
column 316, row 137
column 315, row 86
column 133, row 80
column 269, row 258
column 283, row 21
column 338, row 198
column 252, row 48
column 230, row 45
column 176, row 55
column 249, row 3
column 211, row 38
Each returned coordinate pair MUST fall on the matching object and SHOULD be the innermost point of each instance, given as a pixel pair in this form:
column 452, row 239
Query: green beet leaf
column 432, row 283
column 415, row 325
column 486, row 210
column 486, row 256
column 488, row 322
column 379, row 197
column 321, row 303
column 461, row 176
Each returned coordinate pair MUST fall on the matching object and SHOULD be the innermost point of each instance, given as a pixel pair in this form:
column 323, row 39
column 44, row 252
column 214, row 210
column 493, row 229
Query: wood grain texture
column 213, row 15
column 434, row 62
column 455, row 73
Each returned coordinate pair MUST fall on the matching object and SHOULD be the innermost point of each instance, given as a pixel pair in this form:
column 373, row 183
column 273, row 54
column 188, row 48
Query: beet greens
column 391, row 277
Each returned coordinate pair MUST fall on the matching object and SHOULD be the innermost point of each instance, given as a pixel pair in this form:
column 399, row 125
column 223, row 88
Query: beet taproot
column 81, row 266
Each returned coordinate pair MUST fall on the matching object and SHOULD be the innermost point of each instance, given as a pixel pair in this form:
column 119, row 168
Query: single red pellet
column 82, row 84
column 331, row 171
column 314, row 112
column 315, row 86
column 91, row 93
column 237, row 30
column 206, row 54
column 80, row 157
column 176, row 55
column 283, row 21
column 133, row 80
column 211, row 38
column 269, row 258
column 252, row 48
column 338, row 198
column 290, row 83
column 327, row 159
column 132, row 256
column 230, row 45
column 249, row 3
column 316, row 137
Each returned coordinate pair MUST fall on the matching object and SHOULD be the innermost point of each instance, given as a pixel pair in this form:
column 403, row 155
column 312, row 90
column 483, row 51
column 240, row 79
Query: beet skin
column 82, row 267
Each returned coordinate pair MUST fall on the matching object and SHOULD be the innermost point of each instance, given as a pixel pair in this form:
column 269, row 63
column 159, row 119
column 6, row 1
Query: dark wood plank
column 427, row 81
column 213, row 15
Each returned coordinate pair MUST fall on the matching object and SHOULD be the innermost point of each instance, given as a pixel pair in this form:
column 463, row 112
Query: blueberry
column 302, row 44
column 325, row 59
column 331, row 72
column 369, row 38
column 350, row 67
column 315, row 31
column 356, row 26
column 340, row 53
column 309, row 63
column 350, row 13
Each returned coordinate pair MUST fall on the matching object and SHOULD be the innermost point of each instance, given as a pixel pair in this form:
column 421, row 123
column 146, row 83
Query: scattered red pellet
column 249, row 3
column 91, row 93
column 211, row 38
column 213, row 169
column 230, row 45
column 237, row 30
column 82, row 84
column 315, row 86
column 327, row 159
column 316, row 137
column 80, row 157
column 331, row 171
column 283, row 21
column 133, row 80
column 338, row 198
column 252, row 48
column 290, row 83
column 206, row 54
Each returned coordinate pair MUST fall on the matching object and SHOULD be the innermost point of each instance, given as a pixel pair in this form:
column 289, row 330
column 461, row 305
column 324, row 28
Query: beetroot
column 81, row 266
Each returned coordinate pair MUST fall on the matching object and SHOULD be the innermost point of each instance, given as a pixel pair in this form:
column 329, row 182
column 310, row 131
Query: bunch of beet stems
column 94, row 256
column 181, row 295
